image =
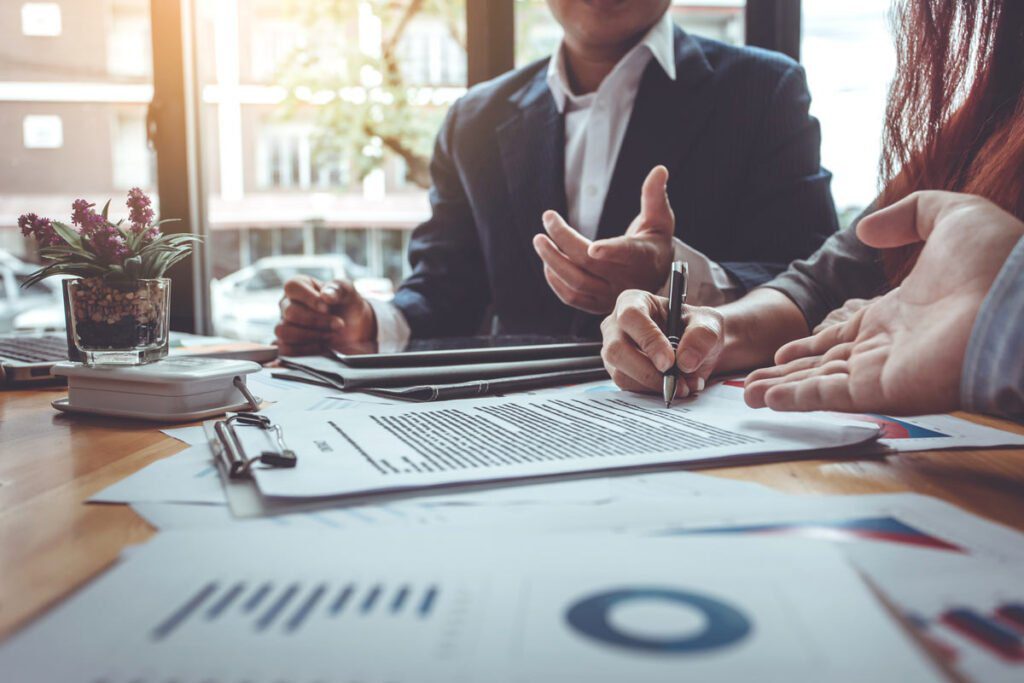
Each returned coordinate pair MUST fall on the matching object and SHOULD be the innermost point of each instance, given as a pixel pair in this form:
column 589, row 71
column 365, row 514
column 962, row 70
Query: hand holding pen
column 637, row 352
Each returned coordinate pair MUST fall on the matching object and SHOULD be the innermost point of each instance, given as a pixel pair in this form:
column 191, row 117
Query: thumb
column 340, row 296
column 624, row 250
column 655, row 211
column 908, row 221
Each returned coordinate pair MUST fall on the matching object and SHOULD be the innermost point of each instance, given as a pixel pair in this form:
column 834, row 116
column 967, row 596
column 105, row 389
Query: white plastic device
column 178, row 389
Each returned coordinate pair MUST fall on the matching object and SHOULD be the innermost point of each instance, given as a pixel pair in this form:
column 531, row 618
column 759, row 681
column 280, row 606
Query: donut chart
column 725, row 625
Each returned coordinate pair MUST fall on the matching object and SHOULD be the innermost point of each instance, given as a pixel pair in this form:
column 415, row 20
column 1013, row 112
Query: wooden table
column 51, row 542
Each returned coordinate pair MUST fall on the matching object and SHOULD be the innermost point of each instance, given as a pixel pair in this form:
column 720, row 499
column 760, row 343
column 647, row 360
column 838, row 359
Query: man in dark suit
column 541, row 214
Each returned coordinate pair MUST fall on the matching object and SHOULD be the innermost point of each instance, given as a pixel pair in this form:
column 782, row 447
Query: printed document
column 371, row 448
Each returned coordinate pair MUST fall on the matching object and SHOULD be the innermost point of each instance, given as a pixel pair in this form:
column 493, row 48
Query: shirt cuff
column 393, row 331
column 993, row 372
column 708, row 284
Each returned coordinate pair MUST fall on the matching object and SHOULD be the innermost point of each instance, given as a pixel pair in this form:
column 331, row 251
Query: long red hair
column 955, row 115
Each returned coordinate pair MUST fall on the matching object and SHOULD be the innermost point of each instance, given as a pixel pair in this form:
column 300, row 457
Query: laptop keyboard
column 45, row 349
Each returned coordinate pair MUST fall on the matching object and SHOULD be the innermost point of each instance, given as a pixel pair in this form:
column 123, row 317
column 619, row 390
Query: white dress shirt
column 595, row 125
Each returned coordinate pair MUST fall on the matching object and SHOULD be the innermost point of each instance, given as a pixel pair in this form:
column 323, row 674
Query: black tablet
column 459, row 350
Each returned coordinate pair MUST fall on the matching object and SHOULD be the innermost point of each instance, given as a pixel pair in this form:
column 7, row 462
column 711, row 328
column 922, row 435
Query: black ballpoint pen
column 674, row 327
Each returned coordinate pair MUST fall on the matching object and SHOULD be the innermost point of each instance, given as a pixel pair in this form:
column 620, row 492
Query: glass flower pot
column 119, row 323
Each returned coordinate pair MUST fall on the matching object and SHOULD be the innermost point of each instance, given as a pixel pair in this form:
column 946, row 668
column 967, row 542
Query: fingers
column 634, row 313
column 631, row 337
column 824, row 392
column 569, row 242
column 821, row 342
column 655, row 210
column 306, row 291
column 569, row 272
column 572, row 297
column 340, row 295
column 628, row 367
column 758, row 386
column 298, row 315
column 701, row 338
column 909, row 220
column 625, row 250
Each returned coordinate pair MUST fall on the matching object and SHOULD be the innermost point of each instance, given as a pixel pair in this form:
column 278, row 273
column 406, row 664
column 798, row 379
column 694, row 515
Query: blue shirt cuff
column 993, row 372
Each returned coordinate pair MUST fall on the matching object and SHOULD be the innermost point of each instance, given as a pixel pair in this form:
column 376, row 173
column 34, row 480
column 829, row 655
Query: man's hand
column 316, row 317
column 591, row 275
column 637, row 353
column 903, row 353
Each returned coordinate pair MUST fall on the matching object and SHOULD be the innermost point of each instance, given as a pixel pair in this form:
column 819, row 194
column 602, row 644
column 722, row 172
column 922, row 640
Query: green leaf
column 68, row 234
column 106, row 211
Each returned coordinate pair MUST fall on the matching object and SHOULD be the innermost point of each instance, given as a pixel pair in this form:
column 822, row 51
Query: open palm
column 902, row 353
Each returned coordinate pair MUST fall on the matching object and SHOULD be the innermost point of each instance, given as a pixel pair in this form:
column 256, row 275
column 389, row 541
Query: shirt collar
column 659, row 41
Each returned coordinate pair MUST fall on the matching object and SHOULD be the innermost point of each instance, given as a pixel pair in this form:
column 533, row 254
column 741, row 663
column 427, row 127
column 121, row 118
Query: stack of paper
column 539, row 537
column 287, row 606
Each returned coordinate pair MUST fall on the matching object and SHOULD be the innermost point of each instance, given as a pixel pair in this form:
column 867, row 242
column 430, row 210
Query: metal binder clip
column 232, row 452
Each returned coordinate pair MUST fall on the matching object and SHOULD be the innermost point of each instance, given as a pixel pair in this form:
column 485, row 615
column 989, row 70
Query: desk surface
column 51, row 543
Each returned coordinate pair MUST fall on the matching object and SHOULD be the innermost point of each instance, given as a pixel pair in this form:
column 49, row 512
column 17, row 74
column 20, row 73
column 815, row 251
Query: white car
column 37, row 308
column 245, row 304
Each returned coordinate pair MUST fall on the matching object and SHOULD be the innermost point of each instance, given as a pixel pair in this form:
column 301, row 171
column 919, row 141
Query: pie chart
column 720, row 624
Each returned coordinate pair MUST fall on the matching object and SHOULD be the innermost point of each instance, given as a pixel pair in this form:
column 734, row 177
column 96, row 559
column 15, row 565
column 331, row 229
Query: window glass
column 74, row 86
column 537, row 33
column 848, row 52
column 318, row 119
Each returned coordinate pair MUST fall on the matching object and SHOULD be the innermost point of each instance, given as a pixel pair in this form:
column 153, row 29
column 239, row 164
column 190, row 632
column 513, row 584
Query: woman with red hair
column 926, row 290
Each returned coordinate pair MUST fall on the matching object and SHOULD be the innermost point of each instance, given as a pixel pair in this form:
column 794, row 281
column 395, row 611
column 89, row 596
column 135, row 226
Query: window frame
column 172, row 120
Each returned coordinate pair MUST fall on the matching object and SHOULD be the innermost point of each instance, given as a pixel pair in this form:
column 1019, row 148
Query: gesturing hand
column 316, row 317
column 591, row 275
column 903, row 353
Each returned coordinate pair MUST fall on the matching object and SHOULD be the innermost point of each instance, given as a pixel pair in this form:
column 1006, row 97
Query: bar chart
column 288, row 608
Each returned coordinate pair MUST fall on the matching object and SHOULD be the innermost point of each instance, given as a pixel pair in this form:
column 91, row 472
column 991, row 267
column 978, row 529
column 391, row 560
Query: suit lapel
column 667, row 117
column 532, row 145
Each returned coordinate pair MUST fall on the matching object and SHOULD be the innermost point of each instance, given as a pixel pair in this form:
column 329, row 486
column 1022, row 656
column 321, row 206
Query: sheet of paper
column 247, row 506
column 297, row 606
column 919, row 433
column 187, row 477
column 970, row 611
column 901, row 519
column 379, row 449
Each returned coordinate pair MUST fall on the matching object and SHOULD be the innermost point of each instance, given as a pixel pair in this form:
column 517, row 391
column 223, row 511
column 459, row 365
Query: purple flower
column 140, row 212
column 104, row 239
column 39, row 228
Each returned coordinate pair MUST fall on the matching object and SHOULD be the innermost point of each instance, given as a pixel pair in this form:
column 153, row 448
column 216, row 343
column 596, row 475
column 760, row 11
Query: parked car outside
column 245, row 304
column 37, row 308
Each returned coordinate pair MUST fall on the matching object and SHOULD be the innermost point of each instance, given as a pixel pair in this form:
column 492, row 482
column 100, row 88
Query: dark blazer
column 745, row 182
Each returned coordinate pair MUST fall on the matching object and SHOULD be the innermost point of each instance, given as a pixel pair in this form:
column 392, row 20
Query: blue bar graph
column 289, row 608
column 184, row 612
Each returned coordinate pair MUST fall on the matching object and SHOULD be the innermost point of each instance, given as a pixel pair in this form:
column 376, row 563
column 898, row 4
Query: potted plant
column 117, row 299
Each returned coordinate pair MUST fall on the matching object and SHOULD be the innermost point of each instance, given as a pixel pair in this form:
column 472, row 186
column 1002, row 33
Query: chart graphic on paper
column 893, row 428
column 722, row 624
column 885, row 529
column 267, row 607
column 986, row 643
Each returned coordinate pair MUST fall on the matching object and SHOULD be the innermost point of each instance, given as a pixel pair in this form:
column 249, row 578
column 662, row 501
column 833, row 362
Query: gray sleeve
column 843, row 268
column 993, row 371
